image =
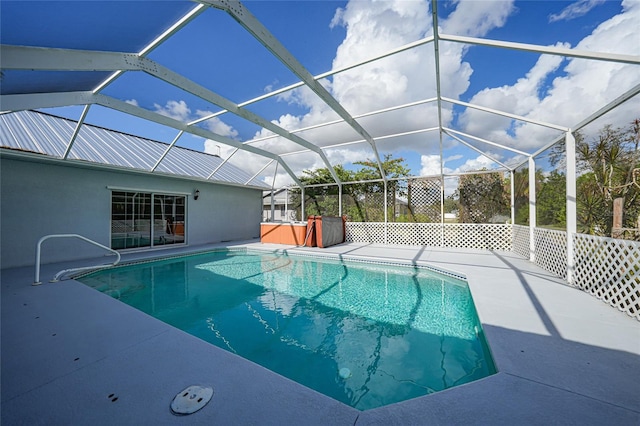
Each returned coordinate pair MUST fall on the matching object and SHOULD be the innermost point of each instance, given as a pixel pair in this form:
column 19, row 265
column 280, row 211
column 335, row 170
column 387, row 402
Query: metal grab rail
column 65, row 271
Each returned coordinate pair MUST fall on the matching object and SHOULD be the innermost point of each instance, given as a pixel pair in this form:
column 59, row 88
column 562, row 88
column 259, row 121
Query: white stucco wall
column 42, row 198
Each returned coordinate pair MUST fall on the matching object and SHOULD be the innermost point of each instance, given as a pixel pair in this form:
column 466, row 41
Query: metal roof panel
column 47, row 134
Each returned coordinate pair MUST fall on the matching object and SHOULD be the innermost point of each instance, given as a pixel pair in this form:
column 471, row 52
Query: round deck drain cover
column 191, row 399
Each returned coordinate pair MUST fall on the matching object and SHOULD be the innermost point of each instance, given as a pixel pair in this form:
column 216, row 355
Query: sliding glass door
column 142, row 219
column 168, row 219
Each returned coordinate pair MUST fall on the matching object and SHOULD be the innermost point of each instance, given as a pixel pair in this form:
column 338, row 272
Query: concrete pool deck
column 71, row 355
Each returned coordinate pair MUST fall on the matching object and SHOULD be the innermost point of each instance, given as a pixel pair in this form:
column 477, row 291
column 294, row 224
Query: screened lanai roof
column 281, row 87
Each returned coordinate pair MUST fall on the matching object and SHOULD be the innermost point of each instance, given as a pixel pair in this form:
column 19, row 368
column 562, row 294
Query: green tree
column 362, row 201
column 551, row 206
column 319, row 200
column 608, row 168
column 482, row 197
column 591, row 208
column 451, row 204
column 393, row 168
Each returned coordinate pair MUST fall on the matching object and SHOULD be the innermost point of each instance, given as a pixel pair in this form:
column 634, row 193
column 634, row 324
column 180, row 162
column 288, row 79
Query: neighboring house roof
column 280, row 196
column 40, row 133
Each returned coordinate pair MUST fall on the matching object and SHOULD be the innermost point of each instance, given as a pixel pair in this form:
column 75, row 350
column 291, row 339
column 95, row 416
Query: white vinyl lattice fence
column 551, row 250
column 365, row 232
column 452, row 235
column 425, row 234
column 477, row 236
column 520, row 242
column 609, row 269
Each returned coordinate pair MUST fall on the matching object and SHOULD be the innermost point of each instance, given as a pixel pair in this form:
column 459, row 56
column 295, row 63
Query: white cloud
column 579, row 87
column 583, row 88
column 347, row 155
column 430, row 165
column 477, row 18
column 132, row 102
column 575, row 10
column 374, row 27
column 453, row 157
column 478, row 163
column 218, row 126
column 178, row 110
column 520, row 98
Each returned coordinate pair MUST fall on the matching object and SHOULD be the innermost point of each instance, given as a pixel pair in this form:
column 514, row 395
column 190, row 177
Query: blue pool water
column 367, row 335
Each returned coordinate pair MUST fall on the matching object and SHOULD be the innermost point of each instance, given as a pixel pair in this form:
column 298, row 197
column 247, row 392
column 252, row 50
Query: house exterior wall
column 279, row 214
column 43, row 198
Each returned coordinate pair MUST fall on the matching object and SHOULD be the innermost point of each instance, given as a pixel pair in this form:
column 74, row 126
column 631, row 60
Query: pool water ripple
column 363, row 334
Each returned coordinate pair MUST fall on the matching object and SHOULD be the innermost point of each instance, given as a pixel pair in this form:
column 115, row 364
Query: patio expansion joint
column 571, row 392
column 92, row 363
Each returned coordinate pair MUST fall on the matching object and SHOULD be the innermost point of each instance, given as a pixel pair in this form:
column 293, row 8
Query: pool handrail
column 56, row 278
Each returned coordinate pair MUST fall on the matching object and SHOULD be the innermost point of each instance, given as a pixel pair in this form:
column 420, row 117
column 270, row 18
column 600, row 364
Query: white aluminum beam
column 240, row 13
column 273, row 184
column 303, row 151
column 328, row 123
column 75, row 60
column 532, row 209
column 475, row 172
column 436, row 55
column 512, row 196
column 121, row 106
column 517, row 151
column 391, row 52
column 505, row 114
column 548, row 50
column 436, row 50
column 571, row 212
column 338, row 145
column 593, row 117
column 183, row 83
column 330, row 73
column 21, row 102
column 611, row 105
column 223, row 163
column 260, row 171
column 180, row 23
column 52, row 100
column 50, row 59
column 166, row 151
column 72, row 140
column 479, row 151
column 478, row 172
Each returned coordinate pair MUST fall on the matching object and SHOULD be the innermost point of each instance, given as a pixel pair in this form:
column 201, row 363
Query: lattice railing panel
column 365, row 232
column 520, row 242
column 477, row 236
column 423, row 234
column 424, row 200
column 551, row 250
column 609, row 269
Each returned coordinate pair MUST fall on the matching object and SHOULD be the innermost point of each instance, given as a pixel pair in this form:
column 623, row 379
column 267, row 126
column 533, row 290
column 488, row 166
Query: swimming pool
column 364, row 334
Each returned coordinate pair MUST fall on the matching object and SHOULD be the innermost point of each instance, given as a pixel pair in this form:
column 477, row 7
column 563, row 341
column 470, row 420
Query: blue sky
column 217, row 53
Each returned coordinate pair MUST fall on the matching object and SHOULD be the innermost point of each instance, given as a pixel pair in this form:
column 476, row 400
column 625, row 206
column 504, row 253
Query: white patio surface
column 68, row 351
